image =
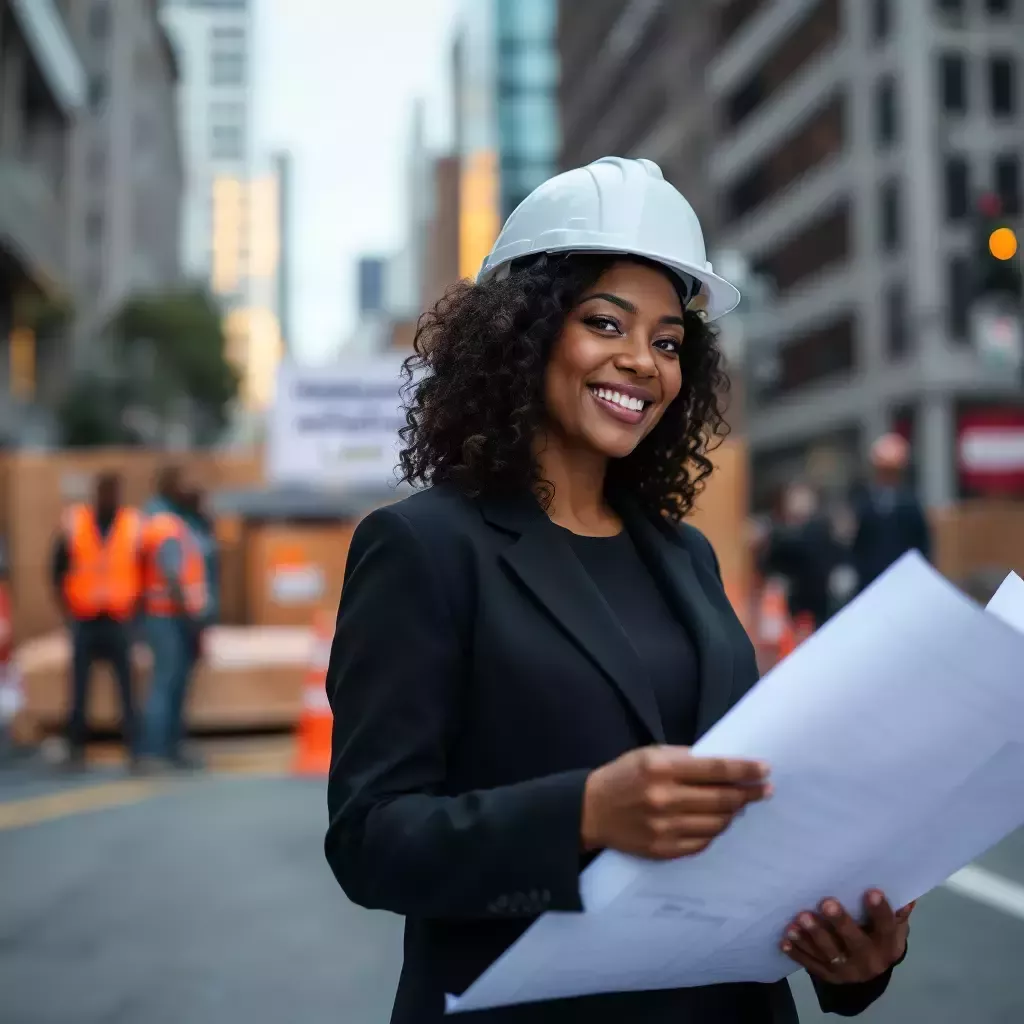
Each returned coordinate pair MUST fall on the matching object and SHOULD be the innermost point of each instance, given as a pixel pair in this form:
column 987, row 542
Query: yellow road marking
column 34, row 810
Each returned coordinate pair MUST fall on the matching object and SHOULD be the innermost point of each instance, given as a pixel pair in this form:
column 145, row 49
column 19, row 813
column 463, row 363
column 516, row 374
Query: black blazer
column 476, row 678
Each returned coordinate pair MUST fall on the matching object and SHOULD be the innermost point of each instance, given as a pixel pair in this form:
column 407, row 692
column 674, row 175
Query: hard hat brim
column 715, row 298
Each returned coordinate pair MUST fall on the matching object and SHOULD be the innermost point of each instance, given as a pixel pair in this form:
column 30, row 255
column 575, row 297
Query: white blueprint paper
column 896, row 740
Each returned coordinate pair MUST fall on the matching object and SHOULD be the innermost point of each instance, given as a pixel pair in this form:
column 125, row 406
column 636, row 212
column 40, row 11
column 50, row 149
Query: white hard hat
column 614, row 205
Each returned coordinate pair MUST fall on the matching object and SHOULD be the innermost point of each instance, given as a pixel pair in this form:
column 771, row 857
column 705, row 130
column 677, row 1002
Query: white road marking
column 986, row 887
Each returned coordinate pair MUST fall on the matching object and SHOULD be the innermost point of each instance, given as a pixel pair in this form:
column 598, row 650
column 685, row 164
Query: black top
column 477, row 677
column 660, row 640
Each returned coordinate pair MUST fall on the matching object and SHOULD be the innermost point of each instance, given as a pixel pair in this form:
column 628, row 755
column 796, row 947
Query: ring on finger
column 837, row 960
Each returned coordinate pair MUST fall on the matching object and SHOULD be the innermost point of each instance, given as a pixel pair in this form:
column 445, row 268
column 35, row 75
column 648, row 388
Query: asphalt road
column 208, row 901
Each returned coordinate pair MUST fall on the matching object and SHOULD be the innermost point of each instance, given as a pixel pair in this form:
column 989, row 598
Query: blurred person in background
column 527, row 647
column 199, row 520
column 890, row 519
column 802, row 550
column 175, row 596
column 97, row 583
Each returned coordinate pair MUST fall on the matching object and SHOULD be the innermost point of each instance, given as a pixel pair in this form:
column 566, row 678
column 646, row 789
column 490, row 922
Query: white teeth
column 633, row 404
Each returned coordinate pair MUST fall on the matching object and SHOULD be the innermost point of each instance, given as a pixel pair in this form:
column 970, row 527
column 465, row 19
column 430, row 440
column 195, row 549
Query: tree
column 90, row 414
column 173, row 348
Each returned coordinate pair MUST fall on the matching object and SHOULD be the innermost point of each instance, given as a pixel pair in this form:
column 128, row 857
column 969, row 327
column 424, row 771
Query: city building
column 372, row 273
column 632, row 84
column 42, row 89
column 505, row 92
column 855, row 138
column 237, row 198
column 838, row 147
column 127, row 173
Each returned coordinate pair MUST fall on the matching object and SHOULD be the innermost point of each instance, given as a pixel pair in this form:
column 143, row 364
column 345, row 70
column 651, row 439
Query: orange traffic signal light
column 1002, row 243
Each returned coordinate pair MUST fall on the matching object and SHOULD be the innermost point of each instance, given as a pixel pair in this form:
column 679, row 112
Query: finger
column 904, row 912
column 880, row 914
column 721, row 771
column 810, row 963
column 854, row 942
column 796, row 937
column 671, row 849
column 821, row 940
column 675, row 801
column 692, row 826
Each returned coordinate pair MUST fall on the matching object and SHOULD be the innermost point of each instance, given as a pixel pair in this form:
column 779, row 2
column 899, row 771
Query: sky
column 336, row 87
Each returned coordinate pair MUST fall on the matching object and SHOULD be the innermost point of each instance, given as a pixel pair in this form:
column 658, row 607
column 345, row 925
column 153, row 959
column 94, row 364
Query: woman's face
column 615, row 368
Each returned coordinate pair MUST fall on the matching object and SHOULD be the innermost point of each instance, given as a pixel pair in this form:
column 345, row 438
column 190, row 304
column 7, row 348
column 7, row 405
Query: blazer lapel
column 546, row 565
column 686, row 585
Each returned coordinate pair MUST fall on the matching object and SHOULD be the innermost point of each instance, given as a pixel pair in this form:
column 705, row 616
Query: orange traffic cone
column 313, row 747
column 774, row 628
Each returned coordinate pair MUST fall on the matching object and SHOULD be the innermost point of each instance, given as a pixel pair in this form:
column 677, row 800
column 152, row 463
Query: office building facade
column 853, row 139
column 505, row 91
column 838, row 147
column 42, row 89
column 231, row 238
column 128, row 170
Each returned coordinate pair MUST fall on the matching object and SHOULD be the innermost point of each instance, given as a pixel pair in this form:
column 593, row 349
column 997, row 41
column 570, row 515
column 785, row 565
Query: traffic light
column 997, row 255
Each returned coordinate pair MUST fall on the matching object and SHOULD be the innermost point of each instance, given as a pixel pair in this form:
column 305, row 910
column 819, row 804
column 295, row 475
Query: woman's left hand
column 832, row 946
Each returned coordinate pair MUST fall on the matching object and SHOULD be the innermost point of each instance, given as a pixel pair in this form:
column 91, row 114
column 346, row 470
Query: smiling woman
column 562, row 353
column 527, row 648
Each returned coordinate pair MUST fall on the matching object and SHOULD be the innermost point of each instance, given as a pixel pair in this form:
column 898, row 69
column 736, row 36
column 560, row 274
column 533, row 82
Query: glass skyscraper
column 505, row 66
column 526, row 93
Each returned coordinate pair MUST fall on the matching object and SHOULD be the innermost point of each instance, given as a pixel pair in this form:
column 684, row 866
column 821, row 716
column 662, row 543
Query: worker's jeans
column 169, row 640
column 93, row 640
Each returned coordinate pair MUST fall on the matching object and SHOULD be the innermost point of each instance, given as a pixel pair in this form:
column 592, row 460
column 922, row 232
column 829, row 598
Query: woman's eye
column 605, row 324
column 672, row 345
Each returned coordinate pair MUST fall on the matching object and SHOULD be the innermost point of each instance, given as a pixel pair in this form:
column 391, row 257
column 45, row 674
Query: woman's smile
column 624, row 402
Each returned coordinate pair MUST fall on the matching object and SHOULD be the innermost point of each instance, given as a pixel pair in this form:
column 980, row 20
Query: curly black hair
column 474, row 392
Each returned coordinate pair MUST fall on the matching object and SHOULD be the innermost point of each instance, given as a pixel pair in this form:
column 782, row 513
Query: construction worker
column 176, row 602
column 97, row 583
column 174, row 586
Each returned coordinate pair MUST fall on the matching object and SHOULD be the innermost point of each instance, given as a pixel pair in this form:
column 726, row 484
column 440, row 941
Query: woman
column 526, row 648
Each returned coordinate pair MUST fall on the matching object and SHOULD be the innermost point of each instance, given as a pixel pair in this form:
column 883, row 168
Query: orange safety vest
column 159, row 599
column 103, row 576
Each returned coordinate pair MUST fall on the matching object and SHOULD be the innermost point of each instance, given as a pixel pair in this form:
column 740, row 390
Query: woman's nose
column 636, row 356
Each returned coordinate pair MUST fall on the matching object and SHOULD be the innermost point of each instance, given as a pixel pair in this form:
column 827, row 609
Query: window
column 1001, row 86
column 958, row 188
column 817, row 30
column 535, row 20
column 958, row 296
column 227, row 34
column 226, row 142
column 529, row 126
column 735, row 14
column 818, row 140
column 227, row 55
column 527, row 68
column 822, row 353
column 881, row 20
column 886, row 127
column 227, row 69
column 896, row 321
column 890, row 215
column 823, row 244
column 953, row 83
column 99, row 20
column 1007, row 183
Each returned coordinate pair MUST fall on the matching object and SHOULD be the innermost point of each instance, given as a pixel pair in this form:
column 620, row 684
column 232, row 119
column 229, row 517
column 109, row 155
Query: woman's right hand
column 662, row 802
